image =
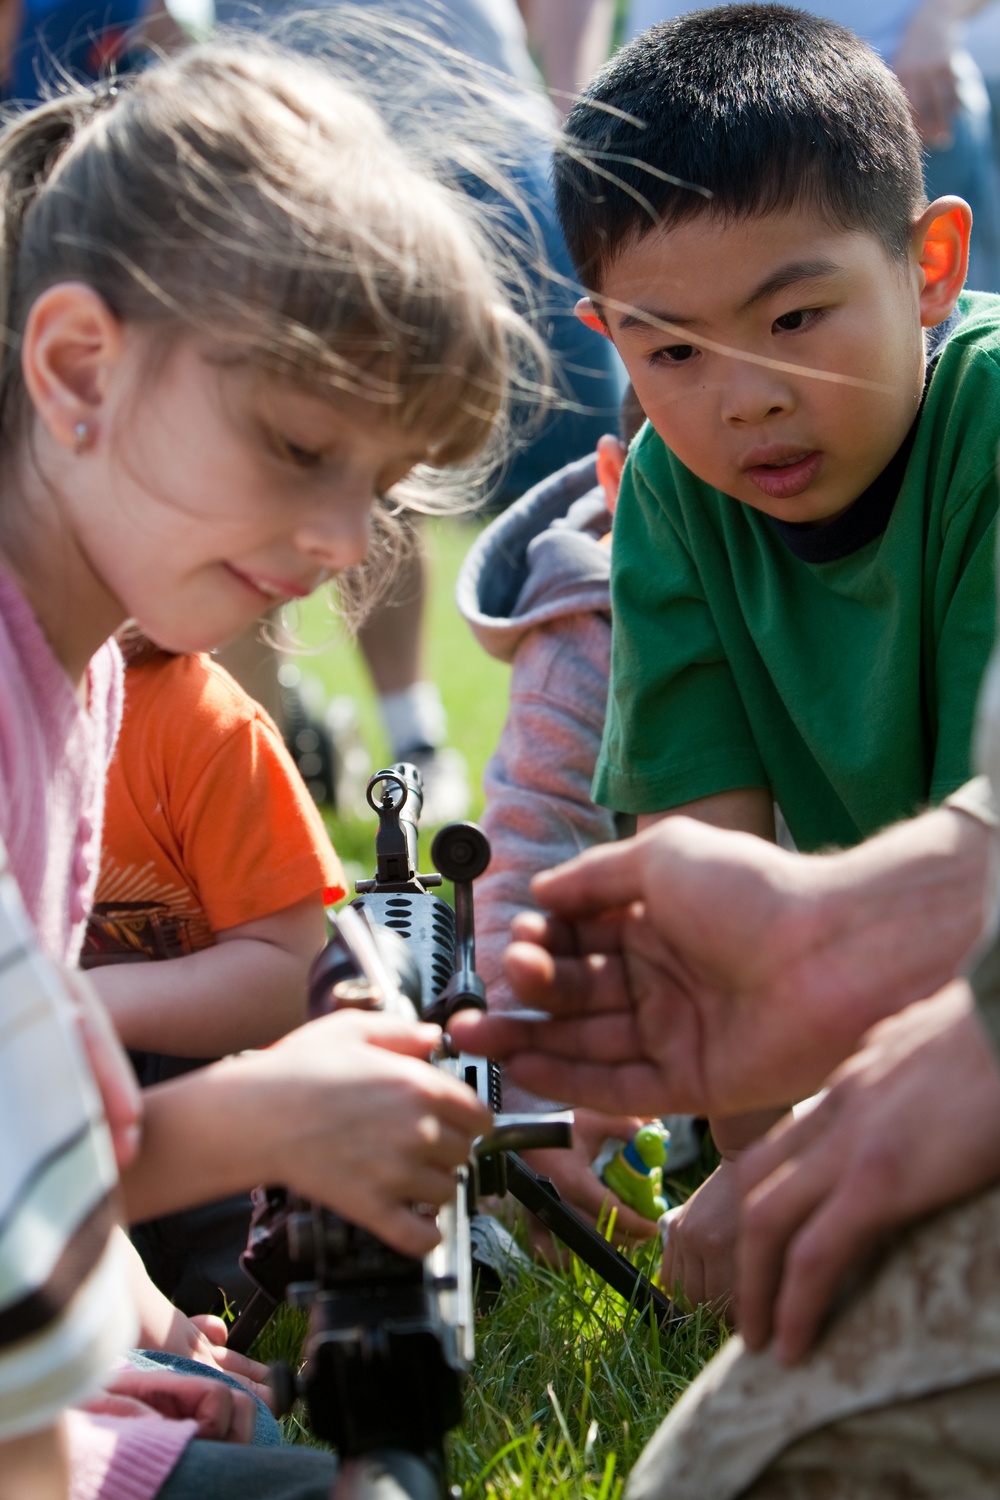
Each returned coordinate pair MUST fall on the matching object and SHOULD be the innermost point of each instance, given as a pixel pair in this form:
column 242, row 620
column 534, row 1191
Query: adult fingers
column 840, row 1233
column 605, row 878
column 567, row 939
column 603, row 1038
column 772, row 1215
column 621, row 1127
column 544, row 931
column 592, row 984
column 789, row 1138
column 602, row 1086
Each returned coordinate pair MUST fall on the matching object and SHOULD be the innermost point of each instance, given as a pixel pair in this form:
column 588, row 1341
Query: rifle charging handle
column 461, row 851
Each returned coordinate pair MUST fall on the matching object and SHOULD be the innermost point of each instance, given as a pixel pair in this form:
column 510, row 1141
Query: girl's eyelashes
column 302, row 458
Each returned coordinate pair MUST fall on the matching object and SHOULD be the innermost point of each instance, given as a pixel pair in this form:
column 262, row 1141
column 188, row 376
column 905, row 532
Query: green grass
column 567, row 1387
column 568, row 1384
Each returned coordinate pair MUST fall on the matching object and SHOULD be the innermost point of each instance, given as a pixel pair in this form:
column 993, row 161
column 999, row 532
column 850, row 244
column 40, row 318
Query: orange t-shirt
column 207, row 823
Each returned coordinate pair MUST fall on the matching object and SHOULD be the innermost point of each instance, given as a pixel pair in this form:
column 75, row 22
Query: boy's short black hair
column 741, row 110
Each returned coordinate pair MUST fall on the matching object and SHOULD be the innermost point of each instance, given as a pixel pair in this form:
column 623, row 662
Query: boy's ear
column 72, row 341
column 941, row 244
column 588, row 314
column 611, row 455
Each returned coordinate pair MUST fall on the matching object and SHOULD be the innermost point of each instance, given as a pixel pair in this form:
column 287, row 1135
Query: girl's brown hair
column 240, row 193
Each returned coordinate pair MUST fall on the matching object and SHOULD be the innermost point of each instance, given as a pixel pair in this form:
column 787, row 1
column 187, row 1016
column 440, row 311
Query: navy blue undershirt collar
column 869, row 515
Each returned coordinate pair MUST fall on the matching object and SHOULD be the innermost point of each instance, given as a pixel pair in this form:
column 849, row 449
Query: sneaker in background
column 447, row 795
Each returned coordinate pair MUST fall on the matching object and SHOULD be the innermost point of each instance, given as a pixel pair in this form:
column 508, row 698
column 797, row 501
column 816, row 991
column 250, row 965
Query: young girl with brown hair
column 237, row 318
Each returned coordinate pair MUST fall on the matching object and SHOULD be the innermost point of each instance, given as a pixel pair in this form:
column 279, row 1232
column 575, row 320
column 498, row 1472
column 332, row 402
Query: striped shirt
column 63, row 1316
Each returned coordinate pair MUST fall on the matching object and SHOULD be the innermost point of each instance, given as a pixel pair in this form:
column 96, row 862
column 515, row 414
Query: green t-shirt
column 846, row 687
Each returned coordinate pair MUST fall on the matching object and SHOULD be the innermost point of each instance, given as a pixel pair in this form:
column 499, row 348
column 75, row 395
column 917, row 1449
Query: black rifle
column 390, row 1337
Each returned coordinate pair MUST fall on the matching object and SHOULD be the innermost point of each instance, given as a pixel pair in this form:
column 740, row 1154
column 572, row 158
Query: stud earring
column 81, row 438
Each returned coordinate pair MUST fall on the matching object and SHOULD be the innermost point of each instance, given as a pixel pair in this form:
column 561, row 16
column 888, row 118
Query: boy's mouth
column 782, row 475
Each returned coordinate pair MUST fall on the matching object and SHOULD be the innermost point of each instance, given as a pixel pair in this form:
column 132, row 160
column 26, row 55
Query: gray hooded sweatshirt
column 535, row 589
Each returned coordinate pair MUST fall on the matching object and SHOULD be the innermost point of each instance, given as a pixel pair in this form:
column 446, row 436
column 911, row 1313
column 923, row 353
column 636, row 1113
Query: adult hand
column 700, row 971
column 580, row 1186
column 923, row 65
column 909, row 1124
column 699, row 1250
column 223, row 1414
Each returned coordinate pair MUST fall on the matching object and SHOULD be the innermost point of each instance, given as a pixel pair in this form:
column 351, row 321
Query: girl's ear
column 590, row 317
column 941, row 245
column 72, row 342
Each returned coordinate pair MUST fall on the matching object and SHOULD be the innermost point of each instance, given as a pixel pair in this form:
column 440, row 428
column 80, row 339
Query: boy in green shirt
column 802, row 586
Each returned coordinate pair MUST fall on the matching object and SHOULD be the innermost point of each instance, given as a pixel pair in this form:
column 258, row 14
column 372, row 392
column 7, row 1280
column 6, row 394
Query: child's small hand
column 205, row 1338
column 163, row 1327
column 376, row 1133
column 579, row 1184
column 223, row 1414
column 699, row 1253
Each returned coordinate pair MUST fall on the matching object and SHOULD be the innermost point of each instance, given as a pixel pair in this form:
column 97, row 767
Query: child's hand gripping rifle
column 389, row 1336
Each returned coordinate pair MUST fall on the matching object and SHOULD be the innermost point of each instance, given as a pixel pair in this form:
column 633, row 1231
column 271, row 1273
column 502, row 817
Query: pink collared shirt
column 54, row 756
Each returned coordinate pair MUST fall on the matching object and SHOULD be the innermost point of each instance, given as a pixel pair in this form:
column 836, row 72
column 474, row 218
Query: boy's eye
column 676, row 354
column 791, row 321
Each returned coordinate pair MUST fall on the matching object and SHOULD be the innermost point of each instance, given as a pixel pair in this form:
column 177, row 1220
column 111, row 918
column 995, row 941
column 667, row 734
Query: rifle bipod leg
column 541, row 1197
column 390, row 1474
column 251, row 1320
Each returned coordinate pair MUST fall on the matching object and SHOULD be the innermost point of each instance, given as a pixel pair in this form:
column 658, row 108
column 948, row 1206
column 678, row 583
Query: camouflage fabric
column 900, row 1399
